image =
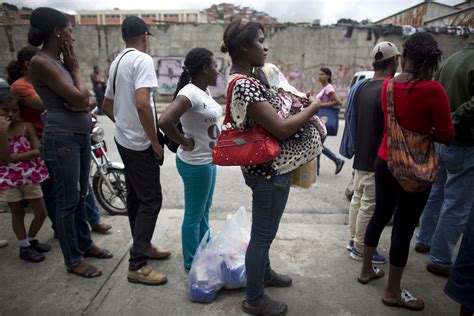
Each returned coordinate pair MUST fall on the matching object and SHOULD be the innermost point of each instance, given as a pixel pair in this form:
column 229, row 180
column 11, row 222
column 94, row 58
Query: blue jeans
column 269, row 197
column 199, row 182
column 430, row 216
column 49, row 196
column 460, row 286
column 458, row 199
column 68, row 158
column 93, row 212
column 328, row 153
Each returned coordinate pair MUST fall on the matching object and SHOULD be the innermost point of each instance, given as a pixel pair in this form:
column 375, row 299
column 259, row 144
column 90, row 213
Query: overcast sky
column 328, row 11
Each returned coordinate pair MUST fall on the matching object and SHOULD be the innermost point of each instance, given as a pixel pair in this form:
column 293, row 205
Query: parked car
column 4, row 86
column 361, row 75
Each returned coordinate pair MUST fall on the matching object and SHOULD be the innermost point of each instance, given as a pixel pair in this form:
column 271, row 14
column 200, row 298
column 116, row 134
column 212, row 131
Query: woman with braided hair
column 421, row 106
column 199, row 114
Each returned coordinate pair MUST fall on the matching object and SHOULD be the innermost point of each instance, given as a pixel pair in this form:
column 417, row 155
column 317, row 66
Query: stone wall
column 298, row 51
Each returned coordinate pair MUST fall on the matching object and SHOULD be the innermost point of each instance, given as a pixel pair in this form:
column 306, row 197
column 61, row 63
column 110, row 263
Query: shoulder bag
column 252, row 146
column 411, row 156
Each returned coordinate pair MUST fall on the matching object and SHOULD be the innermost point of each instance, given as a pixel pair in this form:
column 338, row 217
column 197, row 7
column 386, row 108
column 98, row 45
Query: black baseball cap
column 134, row 26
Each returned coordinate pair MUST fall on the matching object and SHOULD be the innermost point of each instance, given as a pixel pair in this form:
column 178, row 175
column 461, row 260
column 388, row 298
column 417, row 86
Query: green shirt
column 456, row 75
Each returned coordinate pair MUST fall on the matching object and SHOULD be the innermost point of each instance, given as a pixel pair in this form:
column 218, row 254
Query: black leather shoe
column 438, row 270
column 278, row 280
column 35, row 244
column 30, row 254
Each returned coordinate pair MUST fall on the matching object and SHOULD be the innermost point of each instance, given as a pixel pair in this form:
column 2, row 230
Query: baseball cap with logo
column 384, row 50
column 134, row 26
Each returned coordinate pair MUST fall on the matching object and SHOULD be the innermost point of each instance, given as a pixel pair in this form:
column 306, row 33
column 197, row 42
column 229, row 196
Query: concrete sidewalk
column 309, row 247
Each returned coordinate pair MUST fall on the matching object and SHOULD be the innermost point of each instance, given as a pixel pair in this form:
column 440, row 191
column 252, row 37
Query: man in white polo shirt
column 129, row 103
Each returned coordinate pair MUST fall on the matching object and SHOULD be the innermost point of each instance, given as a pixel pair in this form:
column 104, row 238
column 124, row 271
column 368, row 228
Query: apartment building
column 115, row 17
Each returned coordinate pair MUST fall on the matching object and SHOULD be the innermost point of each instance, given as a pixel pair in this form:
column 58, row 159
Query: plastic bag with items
column 220, row 261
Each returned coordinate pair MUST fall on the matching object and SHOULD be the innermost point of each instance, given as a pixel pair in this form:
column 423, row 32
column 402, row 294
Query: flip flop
column 266, row 307
column 378, row 273
column 406, row 301
column 103, row 254
column 89, row 273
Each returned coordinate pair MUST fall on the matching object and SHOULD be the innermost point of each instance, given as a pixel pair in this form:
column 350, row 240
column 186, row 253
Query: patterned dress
column 22, row 173
column 298, row 149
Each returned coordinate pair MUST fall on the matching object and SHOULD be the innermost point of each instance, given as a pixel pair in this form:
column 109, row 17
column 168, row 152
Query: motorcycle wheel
column 113, row 203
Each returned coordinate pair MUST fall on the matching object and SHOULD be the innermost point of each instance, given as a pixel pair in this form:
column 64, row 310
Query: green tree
column 347, row 21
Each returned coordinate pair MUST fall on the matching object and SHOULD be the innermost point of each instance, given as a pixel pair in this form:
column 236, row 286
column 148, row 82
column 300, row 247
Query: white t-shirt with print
column 136, row 70
column 200, row 123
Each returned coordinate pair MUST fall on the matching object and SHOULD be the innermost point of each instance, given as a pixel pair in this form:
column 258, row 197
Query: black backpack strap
column 116, row 68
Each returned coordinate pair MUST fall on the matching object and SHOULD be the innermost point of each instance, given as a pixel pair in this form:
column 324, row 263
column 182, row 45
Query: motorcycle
column 108, row 180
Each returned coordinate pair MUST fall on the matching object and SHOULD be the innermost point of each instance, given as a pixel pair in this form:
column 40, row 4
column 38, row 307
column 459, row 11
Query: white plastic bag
column 220, row 262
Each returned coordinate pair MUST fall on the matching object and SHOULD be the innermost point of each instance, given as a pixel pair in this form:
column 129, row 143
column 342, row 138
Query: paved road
column 310, row 246
column 325, row 197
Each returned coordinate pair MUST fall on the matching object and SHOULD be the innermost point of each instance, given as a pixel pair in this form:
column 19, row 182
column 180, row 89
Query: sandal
column 406, row 301
column 103, row 254
column 266, row 307
column 378, row 273
column 89, row 272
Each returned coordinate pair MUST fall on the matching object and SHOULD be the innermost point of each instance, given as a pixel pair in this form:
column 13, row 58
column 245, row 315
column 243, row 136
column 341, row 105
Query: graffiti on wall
column 307, row 79
column 169, row 69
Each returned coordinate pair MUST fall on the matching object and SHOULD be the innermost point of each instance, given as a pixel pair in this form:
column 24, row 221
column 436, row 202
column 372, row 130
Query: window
column 25, row 16
column 191, row 17
column 88, row 16
column 112, row 16
column 145, row 16
column 171, row 16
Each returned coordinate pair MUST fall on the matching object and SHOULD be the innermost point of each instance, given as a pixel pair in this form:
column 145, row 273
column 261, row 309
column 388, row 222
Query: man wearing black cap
column 129, row 103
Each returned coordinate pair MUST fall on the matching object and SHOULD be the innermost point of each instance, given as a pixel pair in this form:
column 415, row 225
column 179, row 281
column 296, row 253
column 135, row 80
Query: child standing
column 21, row 172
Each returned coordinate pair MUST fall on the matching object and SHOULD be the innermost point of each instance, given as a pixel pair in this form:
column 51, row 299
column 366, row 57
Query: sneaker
column 35, row 244
column 339, row 166
column 3, row 243
column 146, row 275
column 376, row 258
column 350, row 245
column 31, row 254
column 356, row 255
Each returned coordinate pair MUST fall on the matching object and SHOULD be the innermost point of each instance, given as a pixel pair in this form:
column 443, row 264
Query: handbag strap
column 228, row 99
column 116, row 68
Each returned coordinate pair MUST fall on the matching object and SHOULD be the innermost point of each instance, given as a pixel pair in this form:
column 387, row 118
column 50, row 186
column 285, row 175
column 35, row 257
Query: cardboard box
column 305, row 175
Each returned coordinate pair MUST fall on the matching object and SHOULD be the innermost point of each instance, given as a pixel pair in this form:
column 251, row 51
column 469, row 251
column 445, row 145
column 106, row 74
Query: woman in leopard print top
column 254, row 103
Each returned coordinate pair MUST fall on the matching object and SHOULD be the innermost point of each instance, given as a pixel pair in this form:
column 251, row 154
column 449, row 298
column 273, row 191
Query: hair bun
column 36, row 37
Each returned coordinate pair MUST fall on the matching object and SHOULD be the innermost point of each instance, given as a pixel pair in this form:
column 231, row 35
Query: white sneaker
column 3, row 243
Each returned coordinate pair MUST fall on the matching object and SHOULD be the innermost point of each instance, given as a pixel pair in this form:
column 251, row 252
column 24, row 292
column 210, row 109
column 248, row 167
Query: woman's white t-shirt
column 200, row 123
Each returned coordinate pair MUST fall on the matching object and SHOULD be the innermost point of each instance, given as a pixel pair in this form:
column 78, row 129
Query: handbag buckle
column 240, row 141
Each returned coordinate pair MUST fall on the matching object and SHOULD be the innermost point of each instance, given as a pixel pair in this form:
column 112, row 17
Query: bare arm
column 147, row 118
column 76, row 94
column 35, row 103
column 264, row 114
column 34, row 151
column 170, row 116
column 5, row 157
column 335, row 101
column 108, row 108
